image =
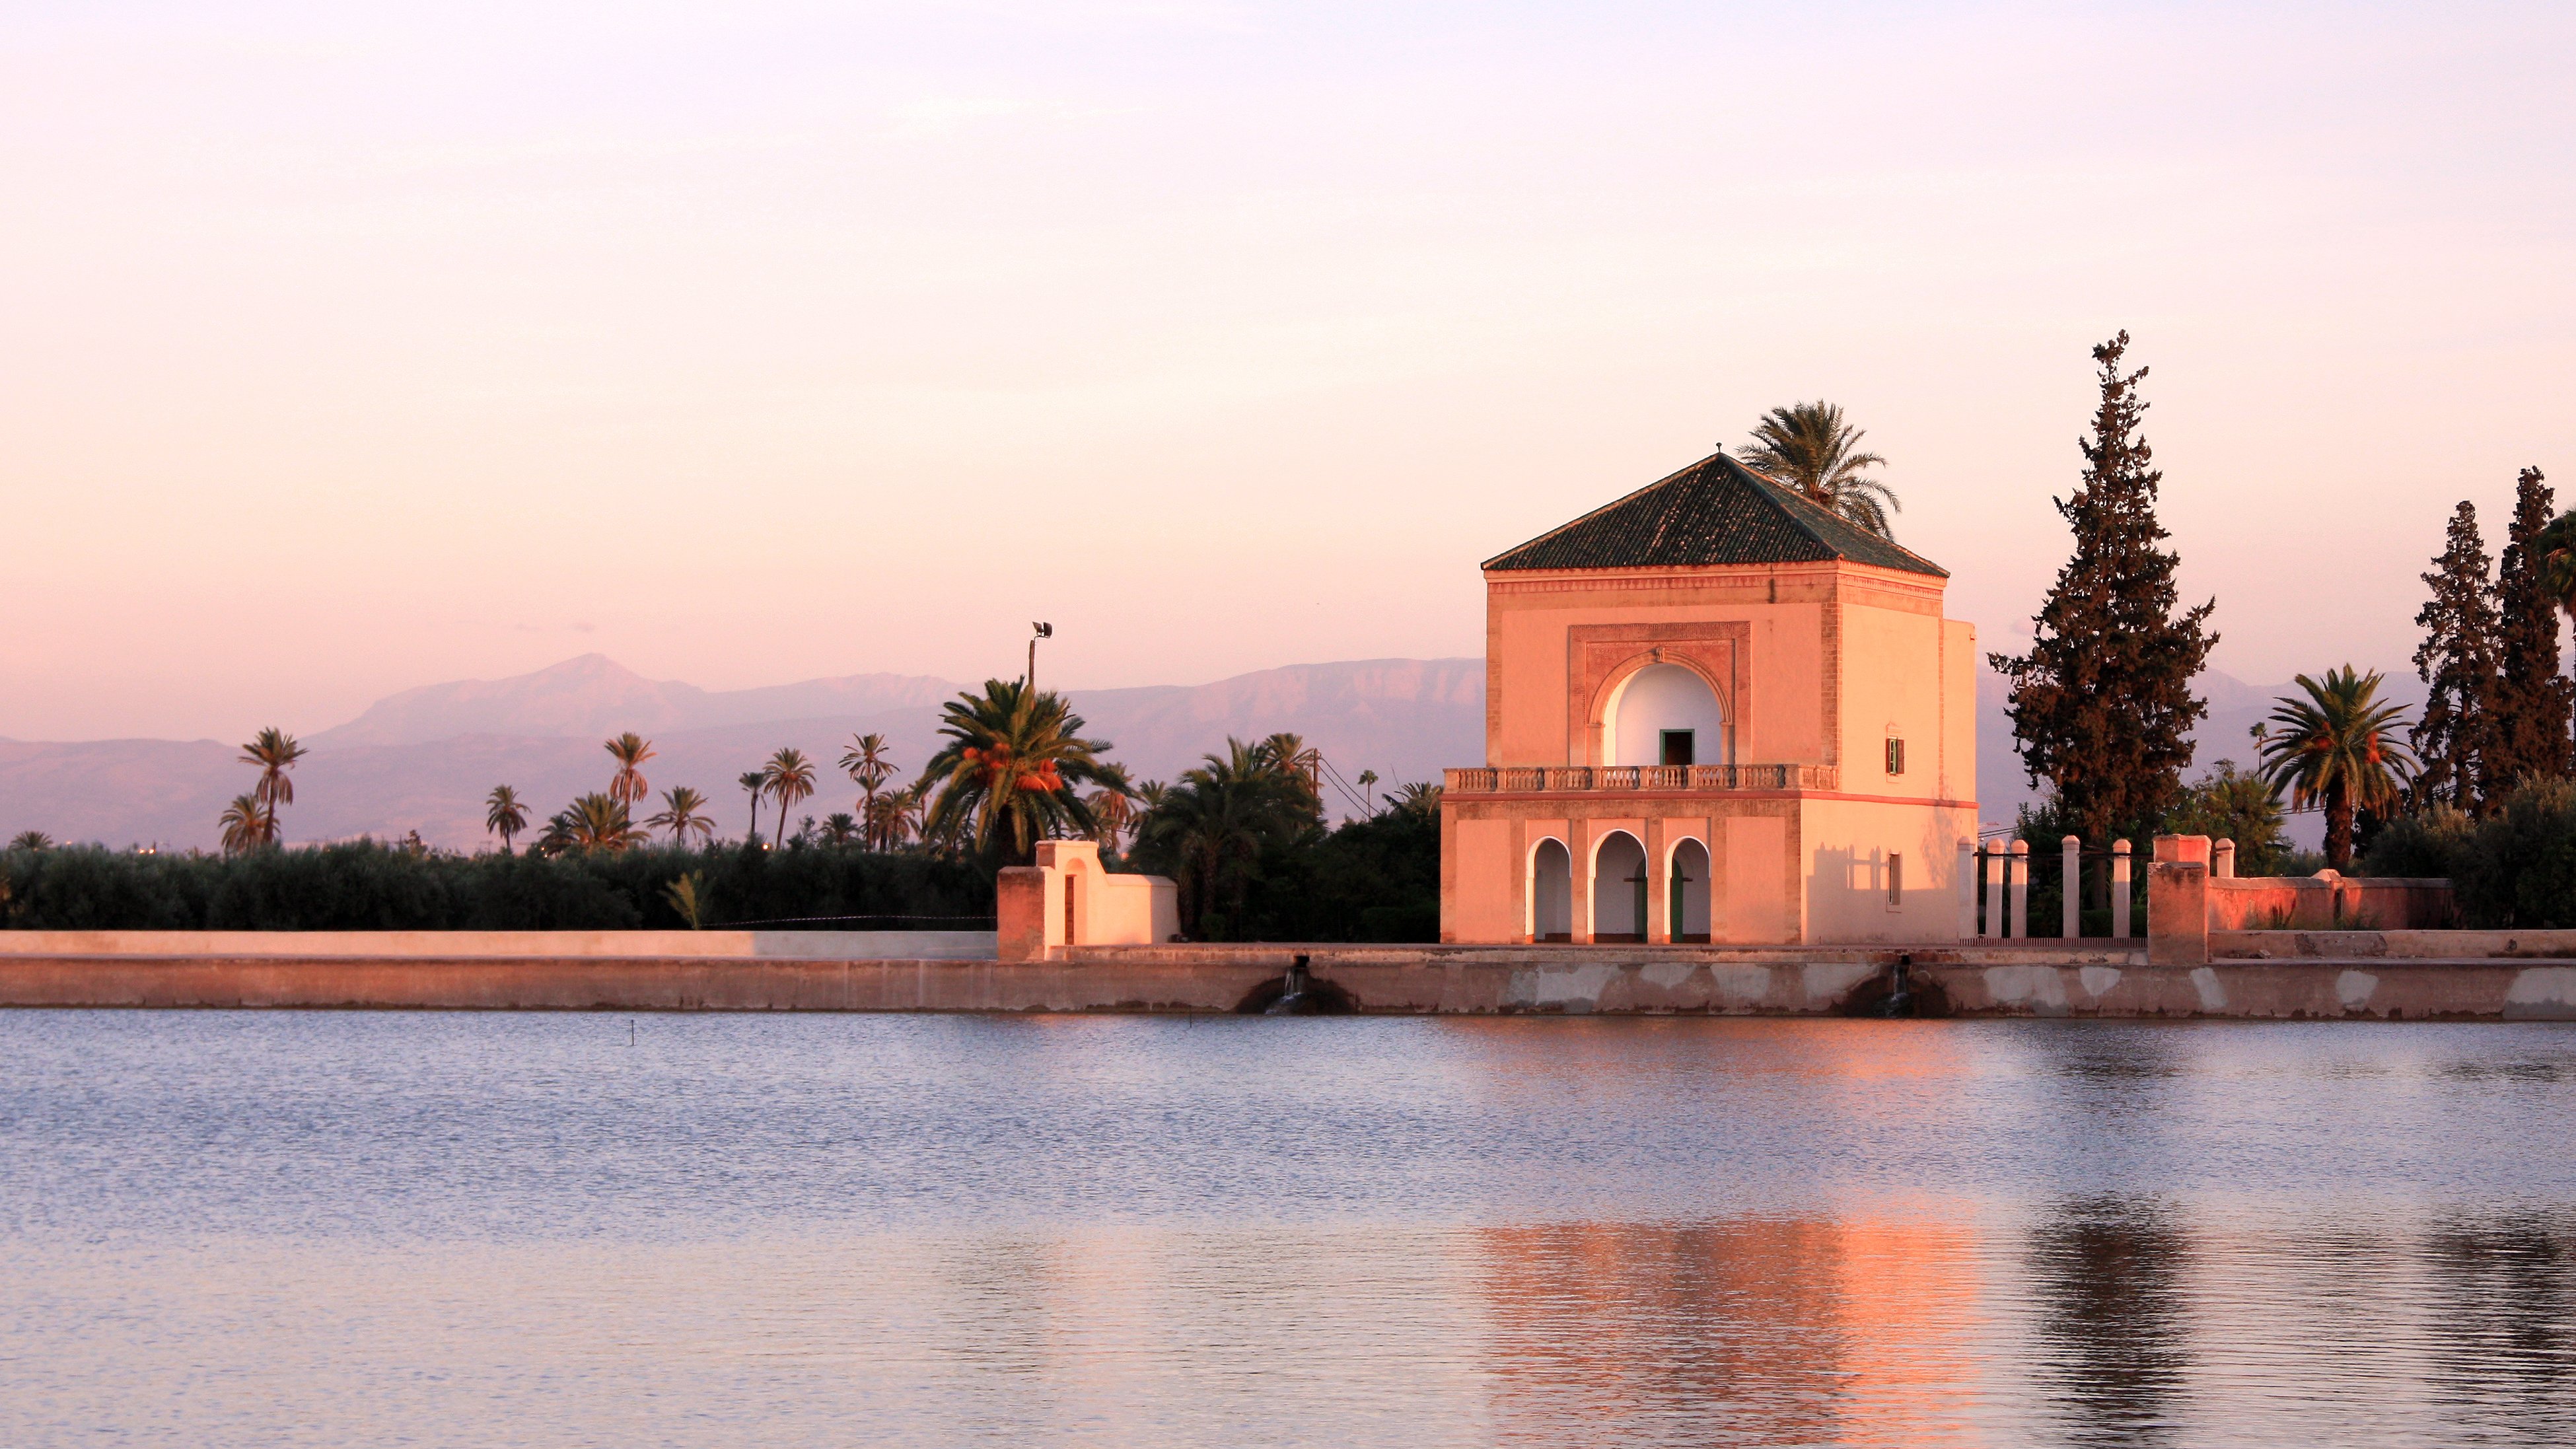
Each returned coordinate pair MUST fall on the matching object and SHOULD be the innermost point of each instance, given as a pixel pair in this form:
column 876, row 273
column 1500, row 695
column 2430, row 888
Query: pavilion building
column 1715, row 711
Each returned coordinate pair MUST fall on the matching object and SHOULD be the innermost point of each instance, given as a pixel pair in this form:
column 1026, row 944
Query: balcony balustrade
column 1587, row 779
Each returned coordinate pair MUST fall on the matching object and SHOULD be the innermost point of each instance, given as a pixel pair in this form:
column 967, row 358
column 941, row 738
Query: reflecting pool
column 240, row 1228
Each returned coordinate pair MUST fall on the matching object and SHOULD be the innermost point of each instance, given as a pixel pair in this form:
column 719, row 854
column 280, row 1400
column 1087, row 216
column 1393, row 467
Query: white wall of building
column 1664, row 697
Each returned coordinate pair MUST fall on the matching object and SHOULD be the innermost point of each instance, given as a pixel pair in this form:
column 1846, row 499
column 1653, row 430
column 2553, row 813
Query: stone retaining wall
column 495, row 983
column 2393, row 945
column 2392, row 990
column 1991, row 980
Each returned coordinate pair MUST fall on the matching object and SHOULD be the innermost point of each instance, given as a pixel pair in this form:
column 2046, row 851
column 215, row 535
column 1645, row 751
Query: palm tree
column 556, row 838
column 1113, row 805
column 1419, row 798
column 754, row 784
column 683, row 810
column 1209, row 829
column 871, row 764
column 31, row 840
column 275, row 752
column 687, row 897
column 1368, row 782
column 248, row 823
column 880, row 828
column 598, row 822
column 1290, row 755
column 1004, row 777
column 1115, row 814
column 840, row 828
column 630, row 750
column 504, row 815
column 894, row 816
column 789, row 777
column 1807, row 446
column 2339, row 747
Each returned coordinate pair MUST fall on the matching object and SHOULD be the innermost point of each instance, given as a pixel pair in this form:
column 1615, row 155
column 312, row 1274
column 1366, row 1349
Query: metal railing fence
column 2010, row 891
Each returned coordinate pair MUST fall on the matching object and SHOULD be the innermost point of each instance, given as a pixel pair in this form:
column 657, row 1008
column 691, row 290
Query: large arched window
column 1665, row 714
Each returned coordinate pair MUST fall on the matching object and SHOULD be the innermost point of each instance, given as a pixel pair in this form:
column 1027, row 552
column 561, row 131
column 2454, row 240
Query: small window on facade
column 1895, row 756
column 1677, row 747
column 1895, row 879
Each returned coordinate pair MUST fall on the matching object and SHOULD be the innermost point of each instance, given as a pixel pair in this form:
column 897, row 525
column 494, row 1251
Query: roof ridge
column 1604, row 508
column 1800, row 504
column 1713, row 510
column 1780, row 495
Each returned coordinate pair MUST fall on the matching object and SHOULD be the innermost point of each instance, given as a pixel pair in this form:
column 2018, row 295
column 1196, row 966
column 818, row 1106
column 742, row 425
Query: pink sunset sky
column 342, row 352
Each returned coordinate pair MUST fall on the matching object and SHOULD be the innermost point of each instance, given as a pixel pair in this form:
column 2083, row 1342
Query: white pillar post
column 2222, row 860
column 2020, row 877
column 1994, row 892
column 1966, row 887
column 2120, row 889
column 2070, row 887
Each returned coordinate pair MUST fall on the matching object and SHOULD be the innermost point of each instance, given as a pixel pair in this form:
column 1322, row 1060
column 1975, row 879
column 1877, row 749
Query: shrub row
column 2511, row 869
column 1370, row 880
column 370, row 887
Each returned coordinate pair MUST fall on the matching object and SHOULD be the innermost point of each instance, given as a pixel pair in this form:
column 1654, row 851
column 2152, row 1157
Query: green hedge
column 2512, row 869
column 369, row 887
column 1371, row 880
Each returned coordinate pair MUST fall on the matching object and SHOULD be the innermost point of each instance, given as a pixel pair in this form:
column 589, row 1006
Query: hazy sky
column 342, row 351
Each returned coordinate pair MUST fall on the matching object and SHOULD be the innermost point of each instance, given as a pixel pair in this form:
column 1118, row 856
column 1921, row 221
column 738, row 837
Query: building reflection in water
column 2107, row 1281
column 1850, row 1331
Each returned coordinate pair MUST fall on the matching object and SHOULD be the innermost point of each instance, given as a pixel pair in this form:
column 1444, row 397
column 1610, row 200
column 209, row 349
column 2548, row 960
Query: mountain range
column 425, row 758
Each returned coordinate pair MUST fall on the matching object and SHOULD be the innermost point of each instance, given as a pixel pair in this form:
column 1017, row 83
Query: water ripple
column 333, row 1228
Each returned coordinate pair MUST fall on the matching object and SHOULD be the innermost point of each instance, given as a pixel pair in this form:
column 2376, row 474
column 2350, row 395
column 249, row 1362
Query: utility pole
column 1037, row 632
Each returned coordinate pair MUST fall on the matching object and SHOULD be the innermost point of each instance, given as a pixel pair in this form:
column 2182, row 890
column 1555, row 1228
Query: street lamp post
column 1037, row 632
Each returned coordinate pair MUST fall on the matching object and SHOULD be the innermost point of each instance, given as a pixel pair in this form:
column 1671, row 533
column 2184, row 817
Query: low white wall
column 745, row 945
column 1134, row 910
column 1109, row 910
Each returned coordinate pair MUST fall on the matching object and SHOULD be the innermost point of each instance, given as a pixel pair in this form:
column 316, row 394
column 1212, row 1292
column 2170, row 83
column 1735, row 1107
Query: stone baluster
column 1994, row 891
column 2018, row 872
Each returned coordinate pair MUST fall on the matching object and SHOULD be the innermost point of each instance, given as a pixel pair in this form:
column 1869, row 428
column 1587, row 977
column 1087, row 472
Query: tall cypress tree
column 2461, row 659
column 2534, row 703
column 2102, row 704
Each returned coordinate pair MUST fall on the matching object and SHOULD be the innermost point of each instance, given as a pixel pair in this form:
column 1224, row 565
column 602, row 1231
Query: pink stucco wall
column 2327, row 901
column 1818, row 666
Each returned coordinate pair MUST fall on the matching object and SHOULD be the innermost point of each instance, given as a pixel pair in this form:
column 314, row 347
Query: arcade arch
column 1688, row 891
column 1551, row 893
column 1619, row 888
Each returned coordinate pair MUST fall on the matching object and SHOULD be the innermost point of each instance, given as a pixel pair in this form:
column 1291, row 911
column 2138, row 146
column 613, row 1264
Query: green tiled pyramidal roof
column 1716, row 511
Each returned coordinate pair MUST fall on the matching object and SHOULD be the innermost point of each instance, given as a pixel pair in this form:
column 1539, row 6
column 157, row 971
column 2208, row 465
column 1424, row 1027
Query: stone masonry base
column 2043, row 978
